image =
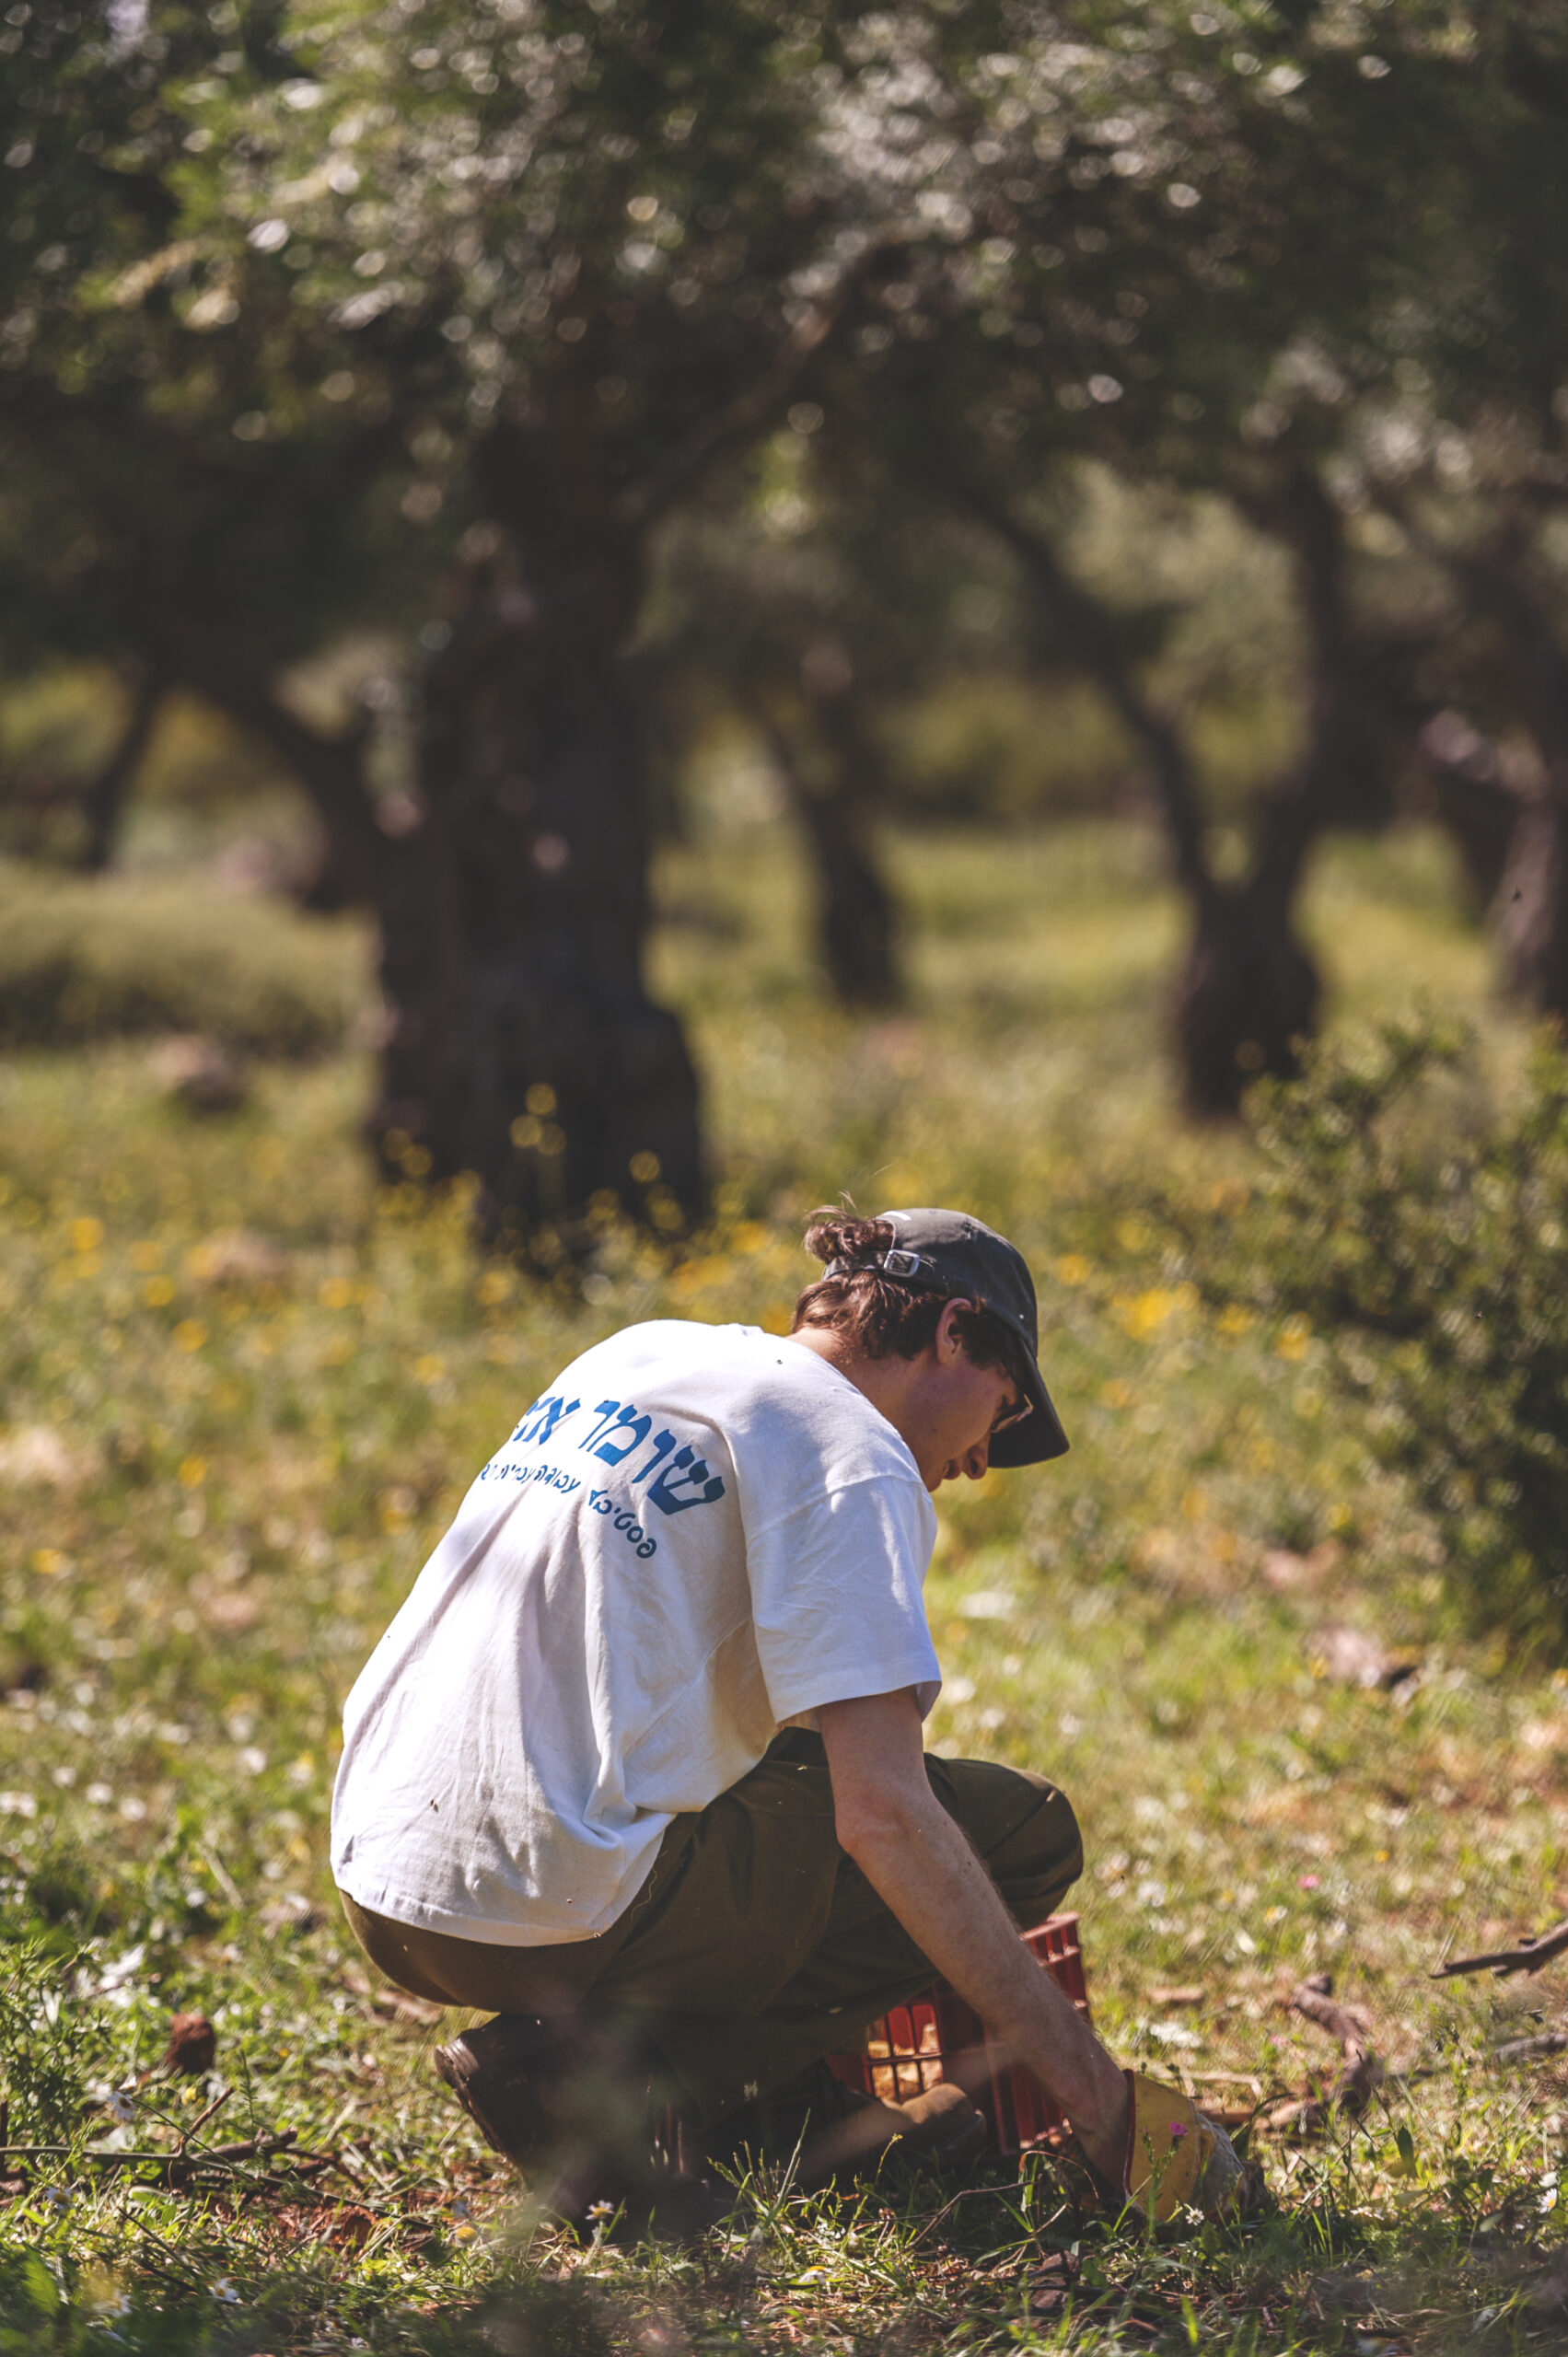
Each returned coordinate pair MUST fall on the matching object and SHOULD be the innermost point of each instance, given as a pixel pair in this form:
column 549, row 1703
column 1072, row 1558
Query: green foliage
column 1000, row 746
column 1428, row 1239
column 51, row 2044
column 274, row 279
column 81, row 961
column 31, row 2305
column 419, row 320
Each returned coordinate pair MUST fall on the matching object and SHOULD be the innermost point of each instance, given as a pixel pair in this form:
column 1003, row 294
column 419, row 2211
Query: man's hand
column 1176, row 2154
column 919, row 1863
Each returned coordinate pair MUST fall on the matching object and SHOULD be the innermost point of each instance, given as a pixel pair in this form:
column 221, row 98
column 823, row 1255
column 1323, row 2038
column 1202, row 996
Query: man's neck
column 889, row 1382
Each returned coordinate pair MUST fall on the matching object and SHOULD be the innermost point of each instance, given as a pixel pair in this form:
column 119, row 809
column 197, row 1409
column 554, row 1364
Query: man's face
column 961, row 1407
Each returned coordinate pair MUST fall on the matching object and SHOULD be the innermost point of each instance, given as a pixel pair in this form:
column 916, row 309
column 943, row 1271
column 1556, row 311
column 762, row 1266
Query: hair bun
column 856, row 1242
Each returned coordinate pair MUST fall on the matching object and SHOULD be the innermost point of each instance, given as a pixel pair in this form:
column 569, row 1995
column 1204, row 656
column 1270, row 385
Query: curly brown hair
column 882, row 1315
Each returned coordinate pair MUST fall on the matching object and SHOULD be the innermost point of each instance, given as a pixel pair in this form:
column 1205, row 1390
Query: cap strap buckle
column 895, row 1263
column 899, row 1263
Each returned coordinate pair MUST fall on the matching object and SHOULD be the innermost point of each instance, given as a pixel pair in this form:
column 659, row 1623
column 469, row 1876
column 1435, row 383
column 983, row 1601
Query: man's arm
column 918, row 1861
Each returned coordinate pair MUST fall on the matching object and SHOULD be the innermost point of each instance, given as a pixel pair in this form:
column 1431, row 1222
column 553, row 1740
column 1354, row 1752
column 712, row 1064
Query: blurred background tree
column 481, row 403
column 427, row 320
column 1213, row 334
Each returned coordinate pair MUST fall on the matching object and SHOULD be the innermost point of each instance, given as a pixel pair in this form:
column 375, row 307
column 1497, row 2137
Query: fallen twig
column 1528, row 2050
column 344, row 2165
column 1352, row 2027
column 251, row 2148
column 1528, row 1957
column 1298, row 2111
column 176, row 2168
column 201, row 2118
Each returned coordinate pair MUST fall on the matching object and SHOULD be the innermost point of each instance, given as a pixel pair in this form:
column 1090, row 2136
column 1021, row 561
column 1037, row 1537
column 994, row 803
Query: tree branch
column 643, row 503
column 331, row 768
column 1528, row 1957
column 1092, row 637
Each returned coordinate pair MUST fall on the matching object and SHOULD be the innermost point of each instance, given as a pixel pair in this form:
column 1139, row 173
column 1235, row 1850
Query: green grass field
column 239, row 1395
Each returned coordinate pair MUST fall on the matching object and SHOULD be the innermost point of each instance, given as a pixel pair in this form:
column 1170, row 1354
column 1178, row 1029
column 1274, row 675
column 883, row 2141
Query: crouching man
column 638, row 1767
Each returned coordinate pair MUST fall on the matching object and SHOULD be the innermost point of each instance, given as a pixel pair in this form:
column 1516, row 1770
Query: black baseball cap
column 962, row 1259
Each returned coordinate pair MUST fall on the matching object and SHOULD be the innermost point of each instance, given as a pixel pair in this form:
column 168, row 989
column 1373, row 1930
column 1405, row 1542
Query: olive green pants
column 756, row 1945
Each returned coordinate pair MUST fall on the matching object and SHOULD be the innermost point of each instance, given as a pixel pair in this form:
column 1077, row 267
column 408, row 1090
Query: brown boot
column 573, row 2112
column 509, row 2075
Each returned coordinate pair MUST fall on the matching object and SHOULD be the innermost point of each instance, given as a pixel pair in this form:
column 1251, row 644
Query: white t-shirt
column 698, row 1533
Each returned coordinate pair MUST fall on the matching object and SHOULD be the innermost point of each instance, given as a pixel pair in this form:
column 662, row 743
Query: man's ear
column 949, row 1345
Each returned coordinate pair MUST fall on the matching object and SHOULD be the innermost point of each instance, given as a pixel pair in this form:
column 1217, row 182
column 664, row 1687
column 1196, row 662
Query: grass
column 241, row 1395
column 82, row 961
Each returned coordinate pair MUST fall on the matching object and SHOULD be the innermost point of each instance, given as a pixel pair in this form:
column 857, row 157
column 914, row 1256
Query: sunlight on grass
column 241, row 1396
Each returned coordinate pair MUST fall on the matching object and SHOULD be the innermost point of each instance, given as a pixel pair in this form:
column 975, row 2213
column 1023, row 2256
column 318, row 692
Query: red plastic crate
column 917, row 2045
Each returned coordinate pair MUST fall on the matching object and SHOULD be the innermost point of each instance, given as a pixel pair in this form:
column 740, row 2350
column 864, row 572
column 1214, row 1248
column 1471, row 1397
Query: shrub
column 82, row 961
column 51, row 2043
column 1428, row 1241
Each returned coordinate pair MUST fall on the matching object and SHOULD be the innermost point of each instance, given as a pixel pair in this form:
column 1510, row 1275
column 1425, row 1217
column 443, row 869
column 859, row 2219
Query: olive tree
column 429, row 314
column 1215, row 240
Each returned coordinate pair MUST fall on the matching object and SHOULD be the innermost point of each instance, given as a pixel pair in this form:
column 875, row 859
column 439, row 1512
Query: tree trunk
column 522, row 1044
column 1248, row 996
column 1090, row 635
column 835, row 797
column 1532, row 907
column 1532, row 903
column 104, row 797
column 1248, row 992
column 855, row 909
column 1472, row 802
column 1246, row 999
column 858, row 918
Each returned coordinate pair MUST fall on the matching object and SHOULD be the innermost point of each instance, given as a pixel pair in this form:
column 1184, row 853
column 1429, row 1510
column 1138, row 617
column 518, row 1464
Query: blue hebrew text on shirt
column 684, row 1481
column 618, row 1430
column 636, row 1428
column 543, row 1417
column 685, row 1467
column 663, row 1444
column 506, row 1469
